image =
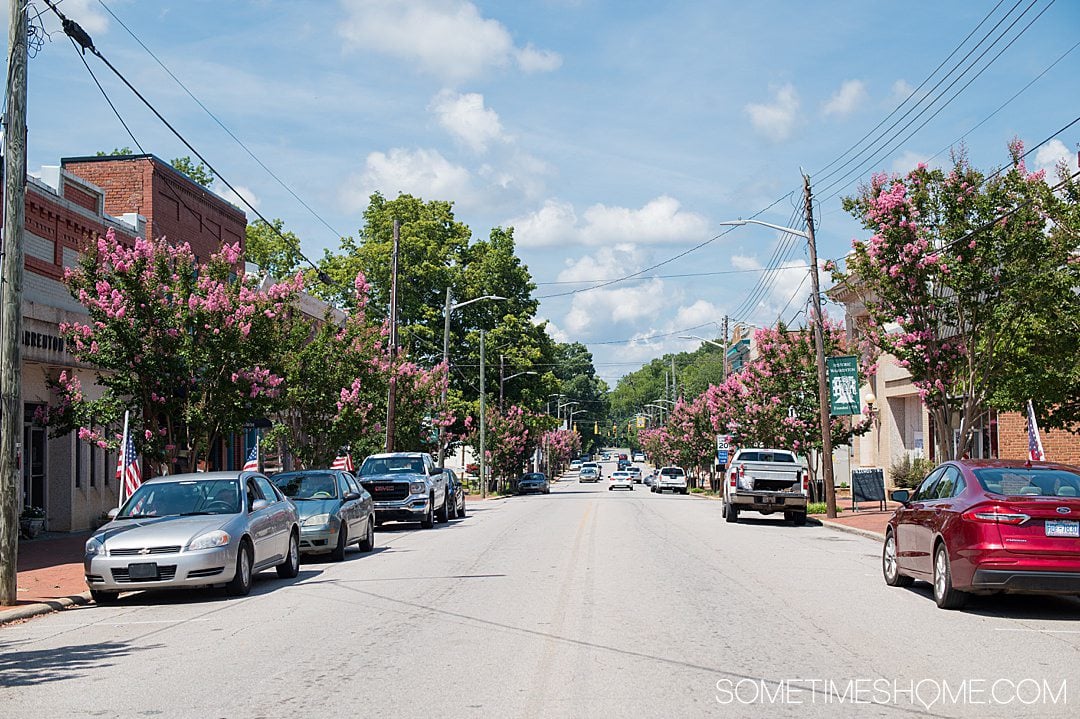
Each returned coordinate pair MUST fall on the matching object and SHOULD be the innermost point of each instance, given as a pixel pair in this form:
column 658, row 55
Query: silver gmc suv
column 406, row 487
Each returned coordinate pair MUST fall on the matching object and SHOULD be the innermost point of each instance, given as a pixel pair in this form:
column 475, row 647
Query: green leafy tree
column 197, row 171
column 274, row 249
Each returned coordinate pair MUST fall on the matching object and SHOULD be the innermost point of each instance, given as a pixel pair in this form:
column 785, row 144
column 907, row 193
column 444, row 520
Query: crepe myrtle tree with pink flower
column 658, row 444
column 772, row 401
column 560, row 446
column 690, row 434
column 510, row 438
column 191, row 350
column 969, row 281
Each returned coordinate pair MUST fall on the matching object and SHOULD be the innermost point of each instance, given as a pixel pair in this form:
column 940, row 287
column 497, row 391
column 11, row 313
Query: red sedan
column 988, row 526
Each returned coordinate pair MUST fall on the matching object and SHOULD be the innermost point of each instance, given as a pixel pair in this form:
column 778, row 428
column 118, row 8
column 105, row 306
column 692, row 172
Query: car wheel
column 337, row 554
column 102, row 597
column 461, row 512
column 368, row 542
column 610, row 488
column 944, row 594
column 890, row 564
column 798, row 518
column 291, row 566
column 723, row 509
column 429, row 517
column 452, row 510
column 732, row 515
column 241, row 581
column 444, row 512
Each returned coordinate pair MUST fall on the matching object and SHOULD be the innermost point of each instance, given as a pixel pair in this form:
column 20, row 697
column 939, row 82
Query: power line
column 664, row 277
column 221, row 124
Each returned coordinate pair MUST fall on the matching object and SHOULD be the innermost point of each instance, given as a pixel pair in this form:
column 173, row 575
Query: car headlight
column 317, row 520
column 417, row 488
column 94, row 547
column 216, row 538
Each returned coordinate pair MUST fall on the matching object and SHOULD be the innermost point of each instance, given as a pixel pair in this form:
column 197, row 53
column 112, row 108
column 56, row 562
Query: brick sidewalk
column 50, row 575
column 869, row 522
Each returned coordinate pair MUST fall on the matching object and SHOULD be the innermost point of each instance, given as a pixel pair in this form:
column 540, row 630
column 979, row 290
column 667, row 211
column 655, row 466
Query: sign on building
column 843, row 385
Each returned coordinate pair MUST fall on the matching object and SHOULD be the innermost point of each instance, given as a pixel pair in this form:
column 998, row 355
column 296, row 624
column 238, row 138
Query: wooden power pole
column 11, row 272
column 819, row 345
column 391, row 399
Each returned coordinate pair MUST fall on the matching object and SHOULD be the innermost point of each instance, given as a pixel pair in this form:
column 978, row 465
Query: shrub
column 909, row 474
column 820, row 508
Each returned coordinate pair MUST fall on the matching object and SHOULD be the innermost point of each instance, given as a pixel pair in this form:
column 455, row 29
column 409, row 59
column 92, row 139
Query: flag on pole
column 343, row 461
column 1035, row 445
column 128, row 472
column 252, row 463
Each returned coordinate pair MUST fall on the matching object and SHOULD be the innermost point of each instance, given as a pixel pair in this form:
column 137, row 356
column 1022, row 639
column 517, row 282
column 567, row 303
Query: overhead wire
column 220, row 124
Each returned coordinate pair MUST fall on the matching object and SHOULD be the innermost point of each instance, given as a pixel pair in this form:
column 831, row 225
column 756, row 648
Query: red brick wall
column 81, row 197
column 48, row 218
column 174, row 206
column 1059, row 446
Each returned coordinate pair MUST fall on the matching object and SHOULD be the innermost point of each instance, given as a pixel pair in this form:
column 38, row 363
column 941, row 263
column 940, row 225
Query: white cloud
column 532, row 60
column 622, row 305
column 661, row 220
column 776, row 120
column 744, row 262
column 466, row 118
column 423, row 173
column 607, row 263
column 1050, row 155
column 446, row 38
column 908, row 161
column 901, row 90
column 234, row 197
column 847, row 99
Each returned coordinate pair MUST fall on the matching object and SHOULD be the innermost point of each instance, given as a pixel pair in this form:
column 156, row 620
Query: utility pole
column 391, row 400
column 502, row 379
column 483, row 422
column 674, row 385
column 11, row 272
column 726, row 370
column 819, row 345
column 446, row 385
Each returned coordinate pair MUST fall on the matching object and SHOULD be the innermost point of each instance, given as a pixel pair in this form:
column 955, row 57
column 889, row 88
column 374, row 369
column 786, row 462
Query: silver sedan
column 194, row 530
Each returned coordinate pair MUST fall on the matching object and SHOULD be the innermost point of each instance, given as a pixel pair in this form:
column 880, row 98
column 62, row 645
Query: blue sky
column 611, row 135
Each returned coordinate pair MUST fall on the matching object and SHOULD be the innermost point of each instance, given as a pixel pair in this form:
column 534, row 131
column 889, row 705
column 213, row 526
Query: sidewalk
column 870, row 521
column 50, row 576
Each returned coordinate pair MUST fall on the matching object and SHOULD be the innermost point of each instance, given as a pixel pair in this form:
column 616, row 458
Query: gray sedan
column 194, row 530
column 334, row 511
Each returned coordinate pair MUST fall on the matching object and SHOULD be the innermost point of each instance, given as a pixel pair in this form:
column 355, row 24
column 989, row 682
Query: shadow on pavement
column 350, row 554
column 39, row 666
column 264, row 582
column 1012, row 606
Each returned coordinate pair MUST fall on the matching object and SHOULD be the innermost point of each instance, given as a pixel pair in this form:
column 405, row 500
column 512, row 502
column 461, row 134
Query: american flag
column 1035, row 445
column 343, row 461
column 127, row 466
column 252, row 463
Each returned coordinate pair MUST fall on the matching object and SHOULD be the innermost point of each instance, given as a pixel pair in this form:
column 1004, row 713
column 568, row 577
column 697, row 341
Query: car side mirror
column 350, row 496
column 259, row 504
column 902, row 496
column 113, row 512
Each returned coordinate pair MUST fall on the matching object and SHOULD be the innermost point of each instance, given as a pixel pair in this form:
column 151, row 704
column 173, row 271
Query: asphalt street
column 581, row 603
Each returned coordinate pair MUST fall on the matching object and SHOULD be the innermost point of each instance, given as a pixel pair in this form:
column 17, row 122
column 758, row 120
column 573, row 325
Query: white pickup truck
column 766, row 481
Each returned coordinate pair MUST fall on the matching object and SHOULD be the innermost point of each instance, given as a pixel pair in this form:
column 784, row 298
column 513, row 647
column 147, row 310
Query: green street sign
column 843, row 385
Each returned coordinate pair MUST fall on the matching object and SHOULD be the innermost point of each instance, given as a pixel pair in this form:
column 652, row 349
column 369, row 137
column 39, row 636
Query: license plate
column 143, row 571
column 768, row 499
column 1062, row 528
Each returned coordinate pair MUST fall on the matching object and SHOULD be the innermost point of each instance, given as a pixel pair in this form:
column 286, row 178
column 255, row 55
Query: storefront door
column 33, row 460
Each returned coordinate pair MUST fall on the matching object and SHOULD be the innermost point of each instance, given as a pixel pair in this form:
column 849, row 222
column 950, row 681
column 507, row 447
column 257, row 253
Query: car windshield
column 532, row 477
column 1033, row 481
column 767, row 457
column 307, row 485
column 391, row 465
column 182, row 498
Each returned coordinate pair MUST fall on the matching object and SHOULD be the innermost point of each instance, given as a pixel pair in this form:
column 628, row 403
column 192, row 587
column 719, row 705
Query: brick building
column 73, row 480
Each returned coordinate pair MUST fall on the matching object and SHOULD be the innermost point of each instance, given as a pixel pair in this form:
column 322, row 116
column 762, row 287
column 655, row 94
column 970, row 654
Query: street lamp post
column 819, row 344
column 558, row 410
column 446, row 355
column 504, row 380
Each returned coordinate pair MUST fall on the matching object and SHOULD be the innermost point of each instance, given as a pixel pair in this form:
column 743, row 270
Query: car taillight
column 996, row 514
column 805, row 481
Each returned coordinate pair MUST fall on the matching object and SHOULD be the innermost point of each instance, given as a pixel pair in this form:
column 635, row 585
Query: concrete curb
column 844, row 528
column 8, row 616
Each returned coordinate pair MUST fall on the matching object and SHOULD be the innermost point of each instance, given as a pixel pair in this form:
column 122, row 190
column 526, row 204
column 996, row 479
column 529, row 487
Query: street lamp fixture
column 711, row 342
column 504, row 380
column 450, row 307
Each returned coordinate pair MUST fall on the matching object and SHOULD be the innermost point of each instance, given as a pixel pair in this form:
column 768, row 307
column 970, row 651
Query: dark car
column 988, row 526
column 455, row 495
column 533, row 482
column 624, row 464
column 335, row 511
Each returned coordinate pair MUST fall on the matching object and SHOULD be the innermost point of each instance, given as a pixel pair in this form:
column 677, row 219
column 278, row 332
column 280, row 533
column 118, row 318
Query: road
column 581, row 603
